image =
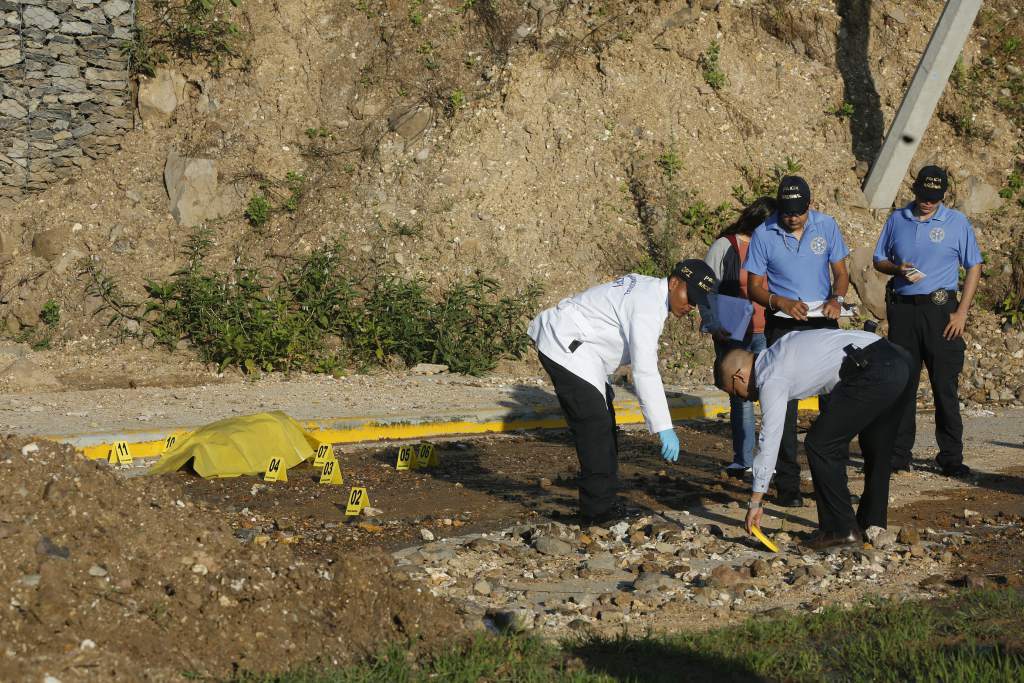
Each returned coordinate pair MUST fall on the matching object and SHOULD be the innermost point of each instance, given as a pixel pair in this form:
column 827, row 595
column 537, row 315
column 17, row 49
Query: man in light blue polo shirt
column 796, row 270
column 923, row 247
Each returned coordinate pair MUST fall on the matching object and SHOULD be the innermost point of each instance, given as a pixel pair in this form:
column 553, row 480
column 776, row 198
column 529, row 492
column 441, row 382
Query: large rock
column 411, row 123
column 193, row 190
column 51, row 244
column 158, row 96
column 40, row 17
column 979, row 197
column 12, row 109
column 115, row 8
column 546, row 545
column 25, row 375
column 869, row 283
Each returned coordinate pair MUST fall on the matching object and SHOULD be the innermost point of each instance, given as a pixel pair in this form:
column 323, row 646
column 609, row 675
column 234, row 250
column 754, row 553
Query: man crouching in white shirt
column 867, row 378
column 587, row 337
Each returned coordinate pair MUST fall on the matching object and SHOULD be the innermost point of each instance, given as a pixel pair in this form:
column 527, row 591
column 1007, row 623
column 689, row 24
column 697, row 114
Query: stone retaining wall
column 64, row 92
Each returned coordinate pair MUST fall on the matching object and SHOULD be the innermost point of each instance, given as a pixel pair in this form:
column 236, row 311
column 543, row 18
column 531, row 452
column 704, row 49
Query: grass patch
column 973, row 636
column 188, row 30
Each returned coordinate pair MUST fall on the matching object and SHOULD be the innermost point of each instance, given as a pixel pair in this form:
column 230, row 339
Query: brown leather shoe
column 823, row 540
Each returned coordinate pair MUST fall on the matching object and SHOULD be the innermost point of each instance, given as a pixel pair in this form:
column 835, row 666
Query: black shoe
column 606, row 518
column 737, row 472
column 792, row 500
column 823, row 540
column 960, row 471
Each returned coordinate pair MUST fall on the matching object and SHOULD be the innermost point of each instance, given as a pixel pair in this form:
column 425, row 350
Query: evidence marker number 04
column 276, row 470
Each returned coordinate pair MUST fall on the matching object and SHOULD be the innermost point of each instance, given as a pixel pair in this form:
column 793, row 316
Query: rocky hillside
column 559, row 142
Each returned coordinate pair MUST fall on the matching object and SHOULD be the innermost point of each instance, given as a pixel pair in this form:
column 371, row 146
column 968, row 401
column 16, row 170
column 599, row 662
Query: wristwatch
column 755, row 505
column 839, row 299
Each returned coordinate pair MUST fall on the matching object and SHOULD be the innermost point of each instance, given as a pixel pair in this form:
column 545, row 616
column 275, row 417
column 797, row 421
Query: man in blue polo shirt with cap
column 923, row 247
column 796, row 270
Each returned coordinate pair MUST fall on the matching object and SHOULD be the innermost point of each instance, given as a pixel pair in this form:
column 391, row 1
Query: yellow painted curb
column 349, row 430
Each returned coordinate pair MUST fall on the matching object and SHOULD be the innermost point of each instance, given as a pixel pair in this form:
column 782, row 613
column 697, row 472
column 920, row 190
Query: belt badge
column 940, row 296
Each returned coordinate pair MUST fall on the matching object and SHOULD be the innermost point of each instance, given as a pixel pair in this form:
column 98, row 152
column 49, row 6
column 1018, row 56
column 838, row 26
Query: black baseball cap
column 794, row 195
column 931, row 184
column 699, row 278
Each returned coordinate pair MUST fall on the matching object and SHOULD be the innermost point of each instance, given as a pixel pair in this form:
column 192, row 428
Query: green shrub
column 258, row 210
column 192, row 30
column 50, row 313
column 246, row 319
column 705, row 222
column 296, row 185
column 670, row 163
column 711, row 67
column 841, row 111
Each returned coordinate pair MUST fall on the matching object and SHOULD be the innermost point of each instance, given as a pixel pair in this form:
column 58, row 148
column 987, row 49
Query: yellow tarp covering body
column 239, row 445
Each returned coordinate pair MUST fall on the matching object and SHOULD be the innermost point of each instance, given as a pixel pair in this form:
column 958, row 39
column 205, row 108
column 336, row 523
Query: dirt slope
column 445, row 138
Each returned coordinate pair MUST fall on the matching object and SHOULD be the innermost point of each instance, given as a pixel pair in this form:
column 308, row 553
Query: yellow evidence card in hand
column 764, row 540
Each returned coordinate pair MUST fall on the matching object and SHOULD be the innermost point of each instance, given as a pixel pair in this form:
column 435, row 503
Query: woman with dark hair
column 726, row 256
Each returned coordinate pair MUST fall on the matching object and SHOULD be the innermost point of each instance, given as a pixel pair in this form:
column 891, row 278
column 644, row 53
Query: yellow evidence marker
column 276, row 471
column 405, row 456
column 323, row 453
column 424, row 455
column 764, row 539
column 331, row 473
column 357, row 500
column 119, row 454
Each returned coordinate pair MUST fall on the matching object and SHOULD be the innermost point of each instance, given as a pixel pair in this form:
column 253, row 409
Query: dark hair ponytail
column 751, row 217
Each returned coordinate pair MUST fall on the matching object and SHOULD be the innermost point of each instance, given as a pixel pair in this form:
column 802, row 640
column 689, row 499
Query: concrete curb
column 354, row 429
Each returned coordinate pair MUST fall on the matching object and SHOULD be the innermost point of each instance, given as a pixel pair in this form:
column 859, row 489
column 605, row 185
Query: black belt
column 861, row 357
column 937, row 298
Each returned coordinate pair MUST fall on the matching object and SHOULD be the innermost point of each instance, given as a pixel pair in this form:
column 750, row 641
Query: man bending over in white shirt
column 867, row 378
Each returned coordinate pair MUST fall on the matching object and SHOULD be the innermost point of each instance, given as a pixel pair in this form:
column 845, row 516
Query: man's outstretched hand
column 669, row 445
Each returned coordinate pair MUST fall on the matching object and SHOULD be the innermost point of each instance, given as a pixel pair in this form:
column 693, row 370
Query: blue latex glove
column 669, row 445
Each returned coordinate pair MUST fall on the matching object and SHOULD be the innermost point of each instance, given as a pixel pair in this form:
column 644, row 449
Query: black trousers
column 787, row 468
column 918, row 327
column 591, row 419
column 865, row 403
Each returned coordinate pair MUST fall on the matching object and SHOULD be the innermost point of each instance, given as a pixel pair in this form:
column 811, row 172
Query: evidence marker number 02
column 357, row 500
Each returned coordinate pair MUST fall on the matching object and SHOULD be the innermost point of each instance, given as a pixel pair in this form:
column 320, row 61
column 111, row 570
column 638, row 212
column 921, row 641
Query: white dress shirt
column 799, row 365
column 618, row 323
